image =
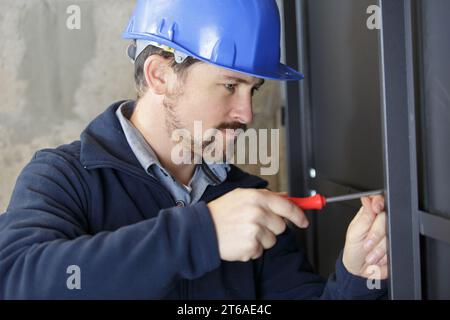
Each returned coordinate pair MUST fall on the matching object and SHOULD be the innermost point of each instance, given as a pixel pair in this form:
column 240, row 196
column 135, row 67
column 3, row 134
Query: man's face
column 218, row 98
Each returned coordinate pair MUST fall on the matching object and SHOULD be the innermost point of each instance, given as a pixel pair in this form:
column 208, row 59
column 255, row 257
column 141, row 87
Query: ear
column 157, row 72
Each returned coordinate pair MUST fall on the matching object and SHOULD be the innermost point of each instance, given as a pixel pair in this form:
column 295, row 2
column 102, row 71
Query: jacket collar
column 103, row 143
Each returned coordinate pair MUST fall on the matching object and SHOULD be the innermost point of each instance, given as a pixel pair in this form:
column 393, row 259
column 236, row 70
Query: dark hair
column 179, row 68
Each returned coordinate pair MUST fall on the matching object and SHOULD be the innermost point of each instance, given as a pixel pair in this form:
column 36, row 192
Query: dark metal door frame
column 298, row 117
column 400, row 154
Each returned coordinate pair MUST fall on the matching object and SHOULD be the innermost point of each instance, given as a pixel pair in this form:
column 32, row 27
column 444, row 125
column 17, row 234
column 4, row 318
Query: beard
column 227, row 145
column 173, row 122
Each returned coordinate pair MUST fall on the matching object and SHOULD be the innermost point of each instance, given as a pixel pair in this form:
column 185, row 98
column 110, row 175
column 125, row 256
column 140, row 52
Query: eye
column 230, row 87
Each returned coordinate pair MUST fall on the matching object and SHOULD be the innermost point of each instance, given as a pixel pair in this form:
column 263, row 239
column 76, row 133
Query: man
column 112, row 216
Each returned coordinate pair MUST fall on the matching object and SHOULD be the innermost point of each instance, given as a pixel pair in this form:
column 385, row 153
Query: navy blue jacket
column 92, row 205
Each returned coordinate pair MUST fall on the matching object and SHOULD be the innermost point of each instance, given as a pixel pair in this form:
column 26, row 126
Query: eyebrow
column 241, row 80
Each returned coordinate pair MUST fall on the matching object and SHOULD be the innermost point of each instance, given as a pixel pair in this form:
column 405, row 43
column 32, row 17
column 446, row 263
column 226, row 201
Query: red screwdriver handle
column 316, row 202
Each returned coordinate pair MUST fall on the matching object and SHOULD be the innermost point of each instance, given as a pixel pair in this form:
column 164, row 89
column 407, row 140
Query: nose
column 242, row 110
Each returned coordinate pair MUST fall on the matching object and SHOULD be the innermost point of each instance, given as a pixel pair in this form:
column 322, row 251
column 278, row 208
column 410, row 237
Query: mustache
column 232, row 126
column 223, row 126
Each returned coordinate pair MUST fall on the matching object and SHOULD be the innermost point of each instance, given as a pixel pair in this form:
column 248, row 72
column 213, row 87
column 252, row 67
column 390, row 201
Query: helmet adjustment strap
column 136, row 48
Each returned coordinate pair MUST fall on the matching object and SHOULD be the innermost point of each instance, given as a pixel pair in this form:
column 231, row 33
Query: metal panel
column 333, row 116
column 345, row 114
column 435, row 269
column 434, row 77
column 433, row 73
column 435, row 227
column 345, row 98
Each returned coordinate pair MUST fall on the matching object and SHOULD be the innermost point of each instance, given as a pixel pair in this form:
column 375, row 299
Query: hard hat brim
column 283, row 73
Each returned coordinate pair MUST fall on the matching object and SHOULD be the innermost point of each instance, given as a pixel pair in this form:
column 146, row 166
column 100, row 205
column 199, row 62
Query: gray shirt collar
column 141, row 149
column 205, row 174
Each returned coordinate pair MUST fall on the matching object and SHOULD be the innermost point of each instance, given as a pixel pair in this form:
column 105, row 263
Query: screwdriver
column 318, row 201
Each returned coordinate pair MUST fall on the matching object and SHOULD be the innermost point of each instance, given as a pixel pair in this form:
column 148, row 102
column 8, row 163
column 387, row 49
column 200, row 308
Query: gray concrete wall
column 55, row 80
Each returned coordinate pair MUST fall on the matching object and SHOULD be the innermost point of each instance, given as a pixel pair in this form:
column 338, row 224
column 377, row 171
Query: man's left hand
column 365, row 244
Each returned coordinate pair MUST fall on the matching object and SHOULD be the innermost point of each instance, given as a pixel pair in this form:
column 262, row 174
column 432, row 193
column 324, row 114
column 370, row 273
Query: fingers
column 366, row 202
column 376, row 233
column 377, row 203
column 274, row 223
column 377, row 269
column 372, row 206
column 362, row 222
column 258, row 253
column 376, row 272
column 284, row 208
column 377, row 254
column 376, row 243
column 383, row 261
column 266, row 238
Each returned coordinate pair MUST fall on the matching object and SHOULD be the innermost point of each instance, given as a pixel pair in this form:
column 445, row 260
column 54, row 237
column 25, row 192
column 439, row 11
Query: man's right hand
column 247, row 222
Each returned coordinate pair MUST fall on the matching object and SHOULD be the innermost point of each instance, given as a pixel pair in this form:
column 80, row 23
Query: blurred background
column 54, row 80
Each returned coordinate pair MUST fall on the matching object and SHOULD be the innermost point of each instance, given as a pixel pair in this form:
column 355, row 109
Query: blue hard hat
column 240, row 35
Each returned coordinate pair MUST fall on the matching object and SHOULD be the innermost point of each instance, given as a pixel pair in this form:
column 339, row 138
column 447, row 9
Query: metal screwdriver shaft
column 354, row 196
